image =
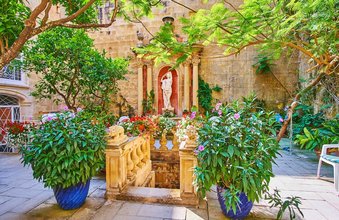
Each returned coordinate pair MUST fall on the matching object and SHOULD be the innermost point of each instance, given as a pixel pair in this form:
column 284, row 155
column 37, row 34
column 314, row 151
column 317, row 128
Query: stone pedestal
column 167, row 110
column 188, row 161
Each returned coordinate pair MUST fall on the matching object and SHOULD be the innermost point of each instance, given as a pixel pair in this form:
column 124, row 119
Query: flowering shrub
column 164, row 124
column 236, row 149
column 137, row 125
column 66, row 148
column 18, row 133
column 190, row 121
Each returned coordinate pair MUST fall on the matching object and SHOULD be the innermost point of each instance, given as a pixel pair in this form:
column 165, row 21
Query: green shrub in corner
column 65, row 149
column 236, row 150
column 315, row 138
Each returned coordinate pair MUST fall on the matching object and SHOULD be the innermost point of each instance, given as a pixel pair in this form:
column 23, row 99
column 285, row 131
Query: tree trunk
column 295, row 104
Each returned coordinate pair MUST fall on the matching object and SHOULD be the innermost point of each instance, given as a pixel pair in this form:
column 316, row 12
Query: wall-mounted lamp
column 168, row 20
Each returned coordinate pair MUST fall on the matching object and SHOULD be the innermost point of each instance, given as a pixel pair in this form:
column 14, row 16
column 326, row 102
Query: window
column 9, row 109
column 11, row 71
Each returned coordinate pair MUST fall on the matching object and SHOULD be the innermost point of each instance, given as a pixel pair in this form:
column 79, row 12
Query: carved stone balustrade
column 127, row 162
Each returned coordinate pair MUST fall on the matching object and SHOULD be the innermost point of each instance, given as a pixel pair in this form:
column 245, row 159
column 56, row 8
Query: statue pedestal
column 167, row 110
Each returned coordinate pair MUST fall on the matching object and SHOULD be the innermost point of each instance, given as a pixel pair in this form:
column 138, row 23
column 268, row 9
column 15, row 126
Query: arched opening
column 9, row 109
column 174, row 96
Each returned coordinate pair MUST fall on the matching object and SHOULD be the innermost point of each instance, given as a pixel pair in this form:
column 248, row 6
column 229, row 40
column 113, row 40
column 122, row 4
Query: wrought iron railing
column 11, row 72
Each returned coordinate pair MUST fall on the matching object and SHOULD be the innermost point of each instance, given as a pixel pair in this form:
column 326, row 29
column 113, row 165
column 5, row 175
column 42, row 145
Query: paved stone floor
column 21, row 197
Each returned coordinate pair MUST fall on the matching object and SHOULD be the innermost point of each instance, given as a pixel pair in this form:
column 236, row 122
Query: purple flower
column 219, row 112
column 236, row 116
column 49, row 118
column 201, row 148
column 193, row 115
column 281, row 120
column 65, row 108
column 79, row 109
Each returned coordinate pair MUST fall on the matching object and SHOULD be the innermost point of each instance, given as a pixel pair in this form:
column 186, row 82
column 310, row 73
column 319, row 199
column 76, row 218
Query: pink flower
column 236, row 116
column 219, row 112
column 281, row 120
column 193, row 115
column 65, row 108
column 49, row 118
column 201, row 148
column 217, row 106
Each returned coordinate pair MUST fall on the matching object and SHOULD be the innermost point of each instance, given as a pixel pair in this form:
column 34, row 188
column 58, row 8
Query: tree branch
column 45, row 18
column 63, row 22
column 304, row 51
column 25, row 34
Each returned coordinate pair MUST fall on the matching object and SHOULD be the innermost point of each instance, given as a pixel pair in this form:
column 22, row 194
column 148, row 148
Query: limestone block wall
column 236, row 76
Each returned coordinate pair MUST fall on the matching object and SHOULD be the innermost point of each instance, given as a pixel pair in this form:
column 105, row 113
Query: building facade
column 235, row 75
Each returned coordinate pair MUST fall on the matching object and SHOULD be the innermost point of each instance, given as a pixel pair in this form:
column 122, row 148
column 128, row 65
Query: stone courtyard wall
column 235, row 75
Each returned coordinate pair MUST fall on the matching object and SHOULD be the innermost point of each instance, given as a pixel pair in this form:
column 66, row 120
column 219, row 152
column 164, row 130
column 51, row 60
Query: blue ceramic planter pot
column 243, row 208
column 72, row 197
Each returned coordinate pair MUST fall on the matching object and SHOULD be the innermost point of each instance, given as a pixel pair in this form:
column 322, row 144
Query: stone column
column 140, row 86
column 187, row 86
column 188, row 161
column 149, row 76
column 195, row 62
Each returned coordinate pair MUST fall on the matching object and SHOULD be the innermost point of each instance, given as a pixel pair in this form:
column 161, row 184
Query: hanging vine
column 205, row 95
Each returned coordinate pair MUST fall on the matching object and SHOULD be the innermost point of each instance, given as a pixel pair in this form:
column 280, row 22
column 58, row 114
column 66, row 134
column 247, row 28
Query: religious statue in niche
column 166, row 86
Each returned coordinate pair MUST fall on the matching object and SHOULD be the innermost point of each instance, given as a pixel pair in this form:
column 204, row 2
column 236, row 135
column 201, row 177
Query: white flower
column 123, row 118
column 48, row 117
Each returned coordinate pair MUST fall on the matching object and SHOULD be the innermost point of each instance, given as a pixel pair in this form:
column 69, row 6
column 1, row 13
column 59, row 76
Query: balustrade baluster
column 140, row 155
column 163, row 141
column 144, row 151
column 152, row 142
column 135, row 159
column 130, row 165
column 175, row 141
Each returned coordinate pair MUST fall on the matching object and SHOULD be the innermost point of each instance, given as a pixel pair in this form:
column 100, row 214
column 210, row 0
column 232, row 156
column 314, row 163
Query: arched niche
column 175, row 86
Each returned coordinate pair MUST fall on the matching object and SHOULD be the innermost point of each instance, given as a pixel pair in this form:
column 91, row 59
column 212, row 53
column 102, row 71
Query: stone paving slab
column 23, row 198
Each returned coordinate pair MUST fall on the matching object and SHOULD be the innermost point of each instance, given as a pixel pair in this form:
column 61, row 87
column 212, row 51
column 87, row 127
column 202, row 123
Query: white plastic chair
column 330, row 159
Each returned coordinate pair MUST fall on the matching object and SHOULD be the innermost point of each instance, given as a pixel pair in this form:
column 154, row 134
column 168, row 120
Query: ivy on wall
column 205, row 95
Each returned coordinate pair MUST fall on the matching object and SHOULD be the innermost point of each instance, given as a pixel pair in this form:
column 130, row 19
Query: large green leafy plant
column 315, row 138
column 65, row 149
column 237, row 148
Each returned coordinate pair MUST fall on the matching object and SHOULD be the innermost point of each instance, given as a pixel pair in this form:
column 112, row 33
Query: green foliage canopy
column 309, row 26
column 72, row 71
column 21, row 20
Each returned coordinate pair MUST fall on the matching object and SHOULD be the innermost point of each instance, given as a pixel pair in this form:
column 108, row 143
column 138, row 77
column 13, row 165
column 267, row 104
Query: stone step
column 155, row 195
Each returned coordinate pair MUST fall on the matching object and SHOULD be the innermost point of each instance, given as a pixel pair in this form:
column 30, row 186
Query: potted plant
column 236, row 150
column 65, row 151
